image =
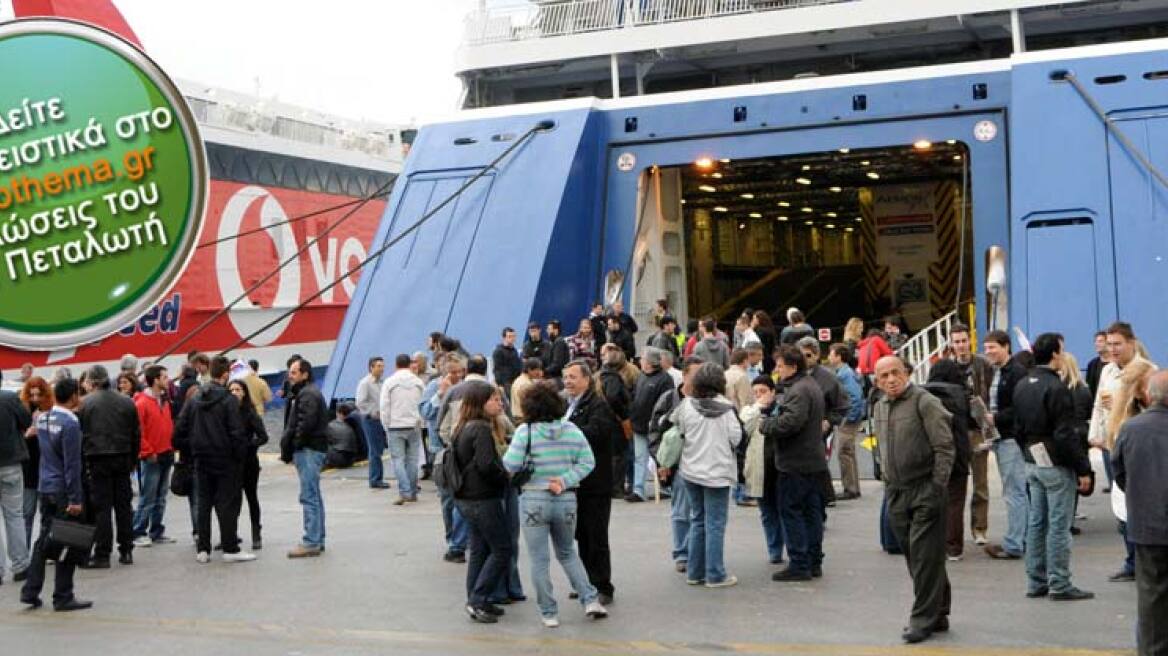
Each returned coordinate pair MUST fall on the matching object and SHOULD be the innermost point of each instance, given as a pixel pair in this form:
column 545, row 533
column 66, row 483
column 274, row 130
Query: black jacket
column 1044, row 412
column 624, row 339
column 1012, row 372
column 211, row 428
column 599, row 328
column 109, row 425
column 1140, row 463
column 955, row 398
column 600, row 426
column 507, row 364
column 483, row 476
column 649, row 388
column 305, row 422
column 797, row 429
column 1094, row 370
column 343, row 437
column 628, row 324
column 616, row 392
column 254, row 430
column 541, row 349
column 185, row 385
column 558, row 358
column 14, row 421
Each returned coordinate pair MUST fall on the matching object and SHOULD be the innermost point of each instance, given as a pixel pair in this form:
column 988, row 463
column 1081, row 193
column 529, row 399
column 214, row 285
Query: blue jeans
column 308, row 465
column 769, row 510
column 405, row 445
column 375, row 443
column 152, row 501
column 509, row 586
column 708, row 507
column 801, row 499
column 640, row 461
column 546, row 515
column 490, row 547
column 1129, row 561
column 12, row 508
column 1012, row 469
column 453, row 523
column 1052, row 507
column 679, row 517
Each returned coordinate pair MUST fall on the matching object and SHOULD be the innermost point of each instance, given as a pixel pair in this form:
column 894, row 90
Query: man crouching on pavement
column 916, row 448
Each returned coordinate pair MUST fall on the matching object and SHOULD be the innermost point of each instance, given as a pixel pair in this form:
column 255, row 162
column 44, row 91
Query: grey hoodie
column 713, row 349
column 712, row 433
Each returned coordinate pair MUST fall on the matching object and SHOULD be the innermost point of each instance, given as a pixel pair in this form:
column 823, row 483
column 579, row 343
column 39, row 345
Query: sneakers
column 727, row 582
column 453, row 557
column 1122, row 576
column 595, row 611
column 238, row 557
column 162, row 539
column 480, row 615
column 203, row 557
column 953, row 558
column 550, row 622
column 303, row 551
column 789, row 575
column 680, row 566
column 143, row 541
column 980, row 539
column 1072, row 594
column 400, row 501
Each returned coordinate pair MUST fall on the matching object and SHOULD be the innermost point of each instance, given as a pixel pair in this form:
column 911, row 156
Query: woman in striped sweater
column 560, row 457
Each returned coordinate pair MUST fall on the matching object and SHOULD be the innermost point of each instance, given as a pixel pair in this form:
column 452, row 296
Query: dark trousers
column 1152, row 595
column 509, row 586
column 490, row 547
column 51, row 508
column 801, row 508
column 620, row 467
column 220, row 488
column 955, row 515
column 251, row 481
column 592, row 513
column 110, row 498
column 916, row 514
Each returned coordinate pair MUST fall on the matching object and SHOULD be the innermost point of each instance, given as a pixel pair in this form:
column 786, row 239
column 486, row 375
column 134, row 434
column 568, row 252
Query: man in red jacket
column 156, row 457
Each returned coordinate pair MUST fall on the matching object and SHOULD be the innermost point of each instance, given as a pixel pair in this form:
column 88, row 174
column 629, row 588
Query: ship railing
column 923, row 348
column 551, row 18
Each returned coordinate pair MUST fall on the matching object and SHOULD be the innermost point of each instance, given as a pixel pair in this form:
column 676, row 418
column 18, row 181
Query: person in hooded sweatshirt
column 709, row 469
column 210, row 428
column 712, row 348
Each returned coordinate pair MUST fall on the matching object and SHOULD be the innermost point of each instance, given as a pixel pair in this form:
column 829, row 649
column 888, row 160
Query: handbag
column 669, row 452
column 523, row 476
column 180, row 479
column 72, row 534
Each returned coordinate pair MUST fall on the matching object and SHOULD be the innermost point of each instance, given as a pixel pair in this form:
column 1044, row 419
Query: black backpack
column 447, row 471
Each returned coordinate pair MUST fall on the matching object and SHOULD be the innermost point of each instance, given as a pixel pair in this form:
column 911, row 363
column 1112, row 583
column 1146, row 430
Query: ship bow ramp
column 499, row 245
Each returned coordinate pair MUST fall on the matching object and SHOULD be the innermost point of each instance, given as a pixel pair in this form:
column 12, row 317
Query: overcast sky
column 390, row 61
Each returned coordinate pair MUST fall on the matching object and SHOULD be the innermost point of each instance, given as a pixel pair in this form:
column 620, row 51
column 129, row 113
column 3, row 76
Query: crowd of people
column 539, row 439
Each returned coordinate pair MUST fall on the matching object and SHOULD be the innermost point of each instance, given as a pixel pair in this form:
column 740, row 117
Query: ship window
column 1110, row 79
column 265, row 174
column 270, row 169
column 859, row 103
column 1156, row 75
column 312, row 178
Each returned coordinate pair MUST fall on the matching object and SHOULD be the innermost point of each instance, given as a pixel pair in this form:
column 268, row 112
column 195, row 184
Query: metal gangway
column 926, row 346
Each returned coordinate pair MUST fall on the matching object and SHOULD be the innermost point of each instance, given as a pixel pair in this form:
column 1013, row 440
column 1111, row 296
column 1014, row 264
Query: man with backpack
column 916, row 449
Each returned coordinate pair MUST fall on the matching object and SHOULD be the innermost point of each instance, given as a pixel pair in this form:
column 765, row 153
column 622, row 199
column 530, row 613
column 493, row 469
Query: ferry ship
column 281, row 176
column 999, row 162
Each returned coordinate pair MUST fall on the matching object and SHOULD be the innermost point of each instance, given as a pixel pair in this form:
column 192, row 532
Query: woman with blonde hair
column 853, row 332
column 1128, row 401
column 1068, row 372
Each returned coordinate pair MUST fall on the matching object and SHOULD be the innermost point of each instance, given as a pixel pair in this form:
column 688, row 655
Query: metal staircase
column 926, row 346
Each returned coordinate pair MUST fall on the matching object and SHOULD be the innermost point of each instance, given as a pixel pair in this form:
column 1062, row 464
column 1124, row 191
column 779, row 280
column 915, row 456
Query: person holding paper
column 1056, row 467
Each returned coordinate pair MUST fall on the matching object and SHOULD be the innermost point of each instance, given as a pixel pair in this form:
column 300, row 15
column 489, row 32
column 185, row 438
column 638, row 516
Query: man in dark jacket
column 506, row 361
column 591, row 414
column 305, row 442
column 1139, row 461
column 916, row 449
column 835, row 400
column 801, row 460
column 559, row 353
column 621, row 337
column 1011, row 466
column 536, row 346
column 111, row 439
column 1056, row 464
column 628, row 324
column 666, row 336
column 619, row 397
column 210, row 428
column 14, row 422
column 655, row 382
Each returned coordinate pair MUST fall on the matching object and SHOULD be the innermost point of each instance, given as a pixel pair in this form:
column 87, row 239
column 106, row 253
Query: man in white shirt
column 400, row 395
column 369, row 405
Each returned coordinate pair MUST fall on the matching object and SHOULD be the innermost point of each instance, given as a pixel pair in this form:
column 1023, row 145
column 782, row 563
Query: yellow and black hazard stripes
column 945, row 270
column 876, row 276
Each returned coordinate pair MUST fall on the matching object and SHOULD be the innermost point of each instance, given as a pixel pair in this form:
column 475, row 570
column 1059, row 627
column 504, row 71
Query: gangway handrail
column 929, row 343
